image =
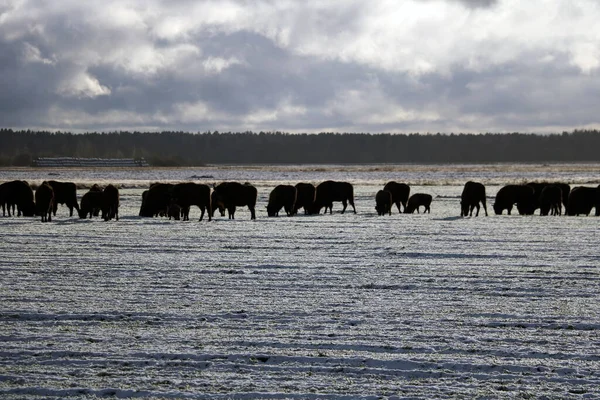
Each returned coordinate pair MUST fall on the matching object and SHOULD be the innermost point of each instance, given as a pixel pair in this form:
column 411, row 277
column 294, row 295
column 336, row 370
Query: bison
column 234, row 194
column 582, row 199
column 550, row 200
column 330, row 191
column 305, row 197
column 473, row 193
column 283, row 196
column 509, row 195
column 417, row 200
column 216, row 204
column 383, row 202
column 19, row 194
column 157, row 200
column 192, row 194
column 110, row 203
column 44, row 201
column 64, row 193
column 565, row 190
column 400, row 193
column 91, row 203
column 175, row 212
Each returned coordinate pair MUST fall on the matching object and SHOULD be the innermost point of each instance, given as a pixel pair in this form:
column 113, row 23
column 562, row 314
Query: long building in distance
column 89, row 162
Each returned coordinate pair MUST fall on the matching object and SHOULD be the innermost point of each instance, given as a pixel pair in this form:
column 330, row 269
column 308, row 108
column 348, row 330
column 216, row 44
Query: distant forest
column 20, row 148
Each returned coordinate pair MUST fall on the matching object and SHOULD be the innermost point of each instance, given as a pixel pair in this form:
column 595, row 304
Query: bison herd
column 19, row 195
column 175, row 200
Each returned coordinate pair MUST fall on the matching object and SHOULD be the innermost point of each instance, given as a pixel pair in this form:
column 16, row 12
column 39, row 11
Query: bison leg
column 398, row 206
column 484, row 207
column 345, row 203
column 252, row 212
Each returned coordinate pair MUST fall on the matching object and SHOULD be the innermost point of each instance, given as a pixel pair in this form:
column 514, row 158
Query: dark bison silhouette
column 190, row 194
column 96, row 188
column 537, row 192
column 305, row 197
column 216, row 204
column 473, row 193
column 582, row 199
column 565, row 189
column 329, row 191
column 17, row 194
column 283, row 196
column 157, row 200
column 235, row 194
column 3, row 197
column 417, row 200
column 91, row 203
column 509, row 195
column 550, row 200
column 400, row 193
column 175, row 212
column 64, row 193
column 538, row 188
column 383, row 202
column 110, row 203
column 44, row 201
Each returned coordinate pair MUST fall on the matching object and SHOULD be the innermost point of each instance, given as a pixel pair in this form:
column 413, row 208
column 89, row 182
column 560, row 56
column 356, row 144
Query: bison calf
column 417, row 200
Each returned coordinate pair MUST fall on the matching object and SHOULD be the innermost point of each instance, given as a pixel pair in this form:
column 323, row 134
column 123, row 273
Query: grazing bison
column 417, row 200
column 582, row 199
column 330, row 191
column 550, row 200
column 19, row 194
column 509, row 195
column 157, row 200
column 91, row 203
column 305, row 197
column 383, row 202
column 110, row 203
column 192, row 194
column 400, row 193
column 216, row 204
column 234, row 194
column 175, row 212
column 96, row 188
column 283, row 196
column 44, row 201
column 64, row 193
column 473, row 193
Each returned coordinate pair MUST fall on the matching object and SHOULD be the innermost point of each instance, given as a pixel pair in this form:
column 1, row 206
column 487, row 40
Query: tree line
column 169, row 148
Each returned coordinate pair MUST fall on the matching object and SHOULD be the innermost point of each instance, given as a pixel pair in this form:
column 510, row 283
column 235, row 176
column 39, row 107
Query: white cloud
column 82, row 85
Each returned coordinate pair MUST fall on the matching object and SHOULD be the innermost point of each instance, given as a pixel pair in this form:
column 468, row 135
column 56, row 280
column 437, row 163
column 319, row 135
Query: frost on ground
column 336, row 306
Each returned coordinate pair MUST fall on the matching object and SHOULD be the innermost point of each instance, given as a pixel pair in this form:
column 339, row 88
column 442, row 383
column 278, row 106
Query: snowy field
column 336, row 306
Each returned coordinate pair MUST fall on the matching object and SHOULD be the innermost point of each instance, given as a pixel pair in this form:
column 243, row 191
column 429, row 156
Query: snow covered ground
column 328, row 306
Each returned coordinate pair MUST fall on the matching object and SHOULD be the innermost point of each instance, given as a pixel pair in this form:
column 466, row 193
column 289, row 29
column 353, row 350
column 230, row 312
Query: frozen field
column 335, row 306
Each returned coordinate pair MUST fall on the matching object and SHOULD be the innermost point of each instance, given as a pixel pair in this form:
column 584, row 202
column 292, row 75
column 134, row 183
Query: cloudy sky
column 301, row 66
